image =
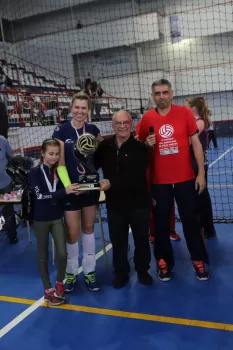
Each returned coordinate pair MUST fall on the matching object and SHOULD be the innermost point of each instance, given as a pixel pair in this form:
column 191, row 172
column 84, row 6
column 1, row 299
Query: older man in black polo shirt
column 124, row 162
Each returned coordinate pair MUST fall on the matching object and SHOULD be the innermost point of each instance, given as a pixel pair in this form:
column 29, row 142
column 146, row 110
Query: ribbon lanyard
column 80, row 167
column 84, row 131
column 50, row 188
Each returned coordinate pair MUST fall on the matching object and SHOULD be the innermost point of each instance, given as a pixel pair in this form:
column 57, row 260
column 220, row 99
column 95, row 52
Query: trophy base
column 89, row 187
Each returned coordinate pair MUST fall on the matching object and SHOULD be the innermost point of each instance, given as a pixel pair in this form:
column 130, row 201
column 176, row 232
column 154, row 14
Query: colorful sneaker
column 70, row 282
column 163, row 272
column 201, row 273
column 90, row 281
column 59, row 291
column 174, row 236
column 49, row 296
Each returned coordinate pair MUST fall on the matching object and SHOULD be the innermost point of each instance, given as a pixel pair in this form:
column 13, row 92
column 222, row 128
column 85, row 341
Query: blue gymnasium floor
column 185, row 314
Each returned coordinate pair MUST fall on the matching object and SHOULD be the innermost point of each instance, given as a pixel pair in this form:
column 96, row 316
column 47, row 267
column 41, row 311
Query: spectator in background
column 79, row 25
column 4, row 125
column 78, row 86
column 3, row 107
column 199, row 109
column 6, row 187
column 3, row 86
column 98, row 101
column 88, row 87
column 52, row 113
column 212, row 136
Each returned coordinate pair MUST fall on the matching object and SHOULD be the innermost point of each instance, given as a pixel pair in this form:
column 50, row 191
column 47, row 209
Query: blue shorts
column 88, row 199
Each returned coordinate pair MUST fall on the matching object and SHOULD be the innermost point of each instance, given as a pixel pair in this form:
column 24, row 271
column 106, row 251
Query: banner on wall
column 175, row 28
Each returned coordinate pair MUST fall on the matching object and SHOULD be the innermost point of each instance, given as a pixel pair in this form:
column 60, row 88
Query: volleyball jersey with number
column 69, row 135
column 172, row 159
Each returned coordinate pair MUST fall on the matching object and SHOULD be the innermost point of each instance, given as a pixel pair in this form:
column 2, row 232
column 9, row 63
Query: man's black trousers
column 187, row 202
column 119, row 221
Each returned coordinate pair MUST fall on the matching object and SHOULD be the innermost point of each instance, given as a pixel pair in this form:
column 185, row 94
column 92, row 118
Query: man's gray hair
column 121, row 112
column 160, row 82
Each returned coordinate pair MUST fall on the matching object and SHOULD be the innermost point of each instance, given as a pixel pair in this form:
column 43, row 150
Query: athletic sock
column 72, row 258
column 88, row 262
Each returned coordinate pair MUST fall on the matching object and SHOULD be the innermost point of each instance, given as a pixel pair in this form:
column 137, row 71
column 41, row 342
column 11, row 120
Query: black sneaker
column 120, row 281
column 164, row 274
column 201, row 273
column 13, row 240
column 210, row 236
column 145, row 278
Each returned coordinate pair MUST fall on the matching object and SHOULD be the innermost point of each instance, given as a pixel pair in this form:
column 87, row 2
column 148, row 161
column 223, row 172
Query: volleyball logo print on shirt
column 166, row 131
column 168, row 144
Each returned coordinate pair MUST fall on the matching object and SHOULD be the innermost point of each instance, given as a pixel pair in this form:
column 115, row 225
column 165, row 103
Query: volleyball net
column 115, row 50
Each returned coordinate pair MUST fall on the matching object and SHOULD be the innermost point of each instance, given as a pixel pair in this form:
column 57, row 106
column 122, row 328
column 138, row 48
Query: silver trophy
column 88, row 178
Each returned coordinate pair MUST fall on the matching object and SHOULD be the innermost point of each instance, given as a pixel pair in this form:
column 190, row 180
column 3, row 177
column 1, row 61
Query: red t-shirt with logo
column 149, row 175
column 137, row 128
column 172, row 160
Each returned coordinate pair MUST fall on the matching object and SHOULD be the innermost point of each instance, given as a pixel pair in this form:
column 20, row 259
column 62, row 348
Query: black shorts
column 88, row 199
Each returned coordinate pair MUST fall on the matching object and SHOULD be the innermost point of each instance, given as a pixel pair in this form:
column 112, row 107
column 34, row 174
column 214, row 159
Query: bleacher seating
column 30, row 76
column 35, row 87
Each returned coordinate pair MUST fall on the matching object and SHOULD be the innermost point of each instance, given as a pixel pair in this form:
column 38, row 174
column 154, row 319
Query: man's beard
column 163, row 104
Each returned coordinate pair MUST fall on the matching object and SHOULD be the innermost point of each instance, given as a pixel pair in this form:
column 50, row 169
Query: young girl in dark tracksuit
column 48, row 217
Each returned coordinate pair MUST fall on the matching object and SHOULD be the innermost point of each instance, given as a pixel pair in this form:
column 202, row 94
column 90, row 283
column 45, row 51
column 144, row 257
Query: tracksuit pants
column 187, row 202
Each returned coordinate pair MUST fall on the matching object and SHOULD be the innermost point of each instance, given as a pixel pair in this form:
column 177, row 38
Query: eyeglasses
column 125, row 122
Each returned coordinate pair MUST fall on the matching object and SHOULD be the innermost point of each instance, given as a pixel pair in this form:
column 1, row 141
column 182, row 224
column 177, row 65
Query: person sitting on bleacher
column 6, row 187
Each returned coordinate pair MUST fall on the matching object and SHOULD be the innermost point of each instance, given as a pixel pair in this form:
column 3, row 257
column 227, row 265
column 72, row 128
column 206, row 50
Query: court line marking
column 220, row 157
column 40, row 302
column 128, row 314
column 36, row 304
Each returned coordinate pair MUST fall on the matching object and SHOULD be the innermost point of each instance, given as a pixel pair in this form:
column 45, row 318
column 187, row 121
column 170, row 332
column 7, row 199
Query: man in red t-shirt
column 173, row 234
column 173, row 177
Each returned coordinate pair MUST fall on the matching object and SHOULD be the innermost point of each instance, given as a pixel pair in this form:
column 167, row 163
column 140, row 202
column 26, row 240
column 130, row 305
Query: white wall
column 168, row 7
column 25, row 8
column 108, row 62
column 208, row 21
column 128, row 31
column 200, row 65
column 134, row 85
column 68, row 18
column 55, row 51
